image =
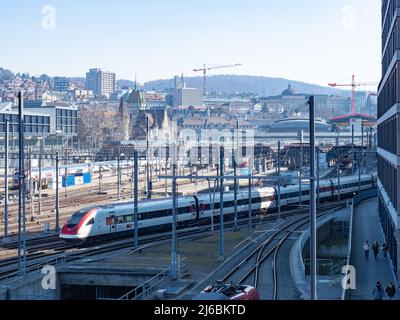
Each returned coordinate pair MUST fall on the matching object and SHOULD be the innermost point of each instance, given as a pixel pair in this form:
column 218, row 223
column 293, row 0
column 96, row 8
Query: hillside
column 262, row 86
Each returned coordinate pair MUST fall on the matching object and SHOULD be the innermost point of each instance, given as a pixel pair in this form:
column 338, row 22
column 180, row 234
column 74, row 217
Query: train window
column 91, row 222
column 129, row 218
column 76, row 218
column 120, row 220
column 229, row 204
column 257, row 200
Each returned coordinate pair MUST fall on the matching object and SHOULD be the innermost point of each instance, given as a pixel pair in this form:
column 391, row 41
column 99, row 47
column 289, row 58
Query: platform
column 367, row 226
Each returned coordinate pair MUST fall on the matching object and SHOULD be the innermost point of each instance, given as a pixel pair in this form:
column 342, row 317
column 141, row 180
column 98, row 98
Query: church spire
column 135, row 82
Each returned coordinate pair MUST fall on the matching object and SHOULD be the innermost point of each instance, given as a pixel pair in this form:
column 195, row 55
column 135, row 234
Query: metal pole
column 136, row 196
column 211, row 203
column 338, row 164
column 21, row 201
column 148, row 159
column 58, row 191
column 352, row 152
column 166, row 169
column 235, row 194
column 250, row 211
column 369, row 157
column 12, row 134
column 40, row 176
column 118, row 177
column 318, row 178
column 313, row 211
column 359, row 158
column 66, row 180
column 31, row 189
column 279, row 180
column 235, row 172
column 99, row 179
column 174, row 237
column 221, row 204
column 301, row 168
column 6, row 180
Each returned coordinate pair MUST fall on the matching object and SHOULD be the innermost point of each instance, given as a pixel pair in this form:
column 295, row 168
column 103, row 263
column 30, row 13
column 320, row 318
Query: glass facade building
column 388, row 129
column 67, row 121
column 59, row 120
column 34, row 124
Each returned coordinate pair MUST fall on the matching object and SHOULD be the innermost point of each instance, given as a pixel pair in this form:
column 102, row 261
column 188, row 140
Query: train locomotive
column 104, row 222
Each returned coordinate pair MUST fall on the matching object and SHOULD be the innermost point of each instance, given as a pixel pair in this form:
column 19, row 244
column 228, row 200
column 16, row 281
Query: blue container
column 87, row 178
column 69, row 182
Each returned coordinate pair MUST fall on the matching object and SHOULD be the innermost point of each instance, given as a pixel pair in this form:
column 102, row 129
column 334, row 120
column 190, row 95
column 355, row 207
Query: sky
column 306, row 40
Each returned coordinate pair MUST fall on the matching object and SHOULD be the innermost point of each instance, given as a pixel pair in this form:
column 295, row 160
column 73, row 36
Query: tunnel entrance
column 76, row 292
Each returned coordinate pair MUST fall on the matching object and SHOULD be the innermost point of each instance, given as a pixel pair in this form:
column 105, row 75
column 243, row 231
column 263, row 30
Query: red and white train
column 103, row 222
column 222, row 291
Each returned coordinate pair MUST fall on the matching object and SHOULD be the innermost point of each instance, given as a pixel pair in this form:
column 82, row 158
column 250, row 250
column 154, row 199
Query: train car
column 117, row 220
column 221, row 291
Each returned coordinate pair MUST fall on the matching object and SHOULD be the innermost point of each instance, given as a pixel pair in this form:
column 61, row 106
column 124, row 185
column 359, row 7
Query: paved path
column 367, row 226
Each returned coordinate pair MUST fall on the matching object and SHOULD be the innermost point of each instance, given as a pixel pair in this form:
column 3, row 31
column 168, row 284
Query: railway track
column 35, row 261
column 47, row 250
column 249, row 270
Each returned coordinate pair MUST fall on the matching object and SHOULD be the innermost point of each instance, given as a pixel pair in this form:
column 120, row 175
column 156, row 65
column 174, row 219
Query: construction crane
column 354, row 85
column 205, row 69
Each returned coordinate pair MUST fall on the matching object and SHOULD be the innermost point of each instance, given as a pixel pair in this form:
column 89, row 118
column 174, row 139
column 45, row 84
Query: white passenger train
column 117, row 220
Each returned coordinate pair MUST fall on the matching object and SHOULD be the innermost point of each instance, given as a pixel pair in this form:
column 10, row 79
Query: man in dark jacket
column 391, row 291
column 378, row 292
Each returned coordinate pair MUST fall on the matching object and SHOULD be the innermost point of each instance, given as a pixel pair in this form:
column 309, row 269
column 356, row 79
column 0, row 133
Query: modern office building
column 389, row 129
column 36, row 123
column 361, row 101
column 56, row 119
column 187, row 97
column 102, row 83
column 61, row 84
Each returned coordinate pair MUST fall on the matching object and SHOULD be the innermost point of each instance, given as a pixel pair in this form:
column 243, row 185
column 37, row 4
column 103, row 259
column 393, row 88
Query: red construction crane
column 205, row 69
column 353, row 86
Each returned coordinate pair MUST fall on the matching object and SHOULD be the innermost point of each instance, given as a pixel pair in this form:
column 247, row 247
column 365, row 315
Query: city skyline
column 174, row 39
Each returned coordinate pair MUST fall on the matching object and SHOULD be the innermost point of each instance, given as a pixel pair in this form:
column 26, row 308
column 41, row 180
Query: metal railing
column 144, row 290
column 29, row 271
column 365, row 195
column 328, row 267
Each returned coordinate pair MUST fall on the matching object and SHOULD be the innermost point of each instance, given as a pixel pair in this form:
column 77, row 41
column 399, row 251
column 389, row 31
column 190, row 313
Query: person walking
column 375, row 249
column 385, row 249
column 366, row 249
column 377, row 294
column 391, row 290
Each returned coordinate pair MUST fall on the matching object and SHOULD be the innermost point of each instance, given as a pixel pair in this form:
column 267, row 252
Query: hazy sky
column 316, row 41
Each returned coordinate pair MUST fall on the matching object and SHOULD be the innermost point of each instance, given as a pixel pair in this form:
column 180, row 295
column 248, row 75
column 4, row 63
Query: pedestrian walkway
column 367, row 226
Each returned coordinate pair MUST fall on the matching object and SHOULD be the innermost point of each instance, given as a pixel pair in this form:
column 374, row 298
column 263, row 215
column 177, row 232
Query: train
column 105, row 222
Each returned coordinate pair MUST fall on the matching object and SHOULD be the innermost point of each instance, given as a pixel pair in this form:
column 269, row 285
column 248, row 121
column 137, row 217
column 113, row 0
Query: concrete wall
column 29, row 288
